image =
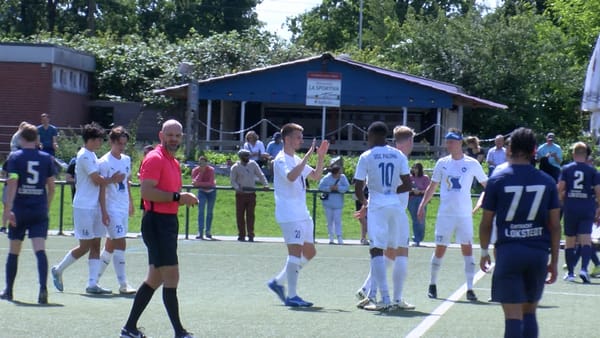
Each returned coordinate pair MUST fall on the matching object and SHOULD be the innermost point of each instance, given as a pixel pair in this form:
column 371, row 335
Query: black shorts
column 160, row 232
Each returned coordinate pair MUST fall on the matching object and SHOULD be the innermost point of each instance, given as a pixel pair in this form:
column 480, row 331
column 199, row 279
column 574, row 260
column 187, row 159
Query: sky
column 274, row 12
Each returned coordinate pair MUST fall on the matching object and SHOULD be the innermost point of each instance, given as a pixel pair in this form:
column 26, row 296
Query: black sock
column 42, row 266
column 142, row 298
column 172, row 306
column 11, row 271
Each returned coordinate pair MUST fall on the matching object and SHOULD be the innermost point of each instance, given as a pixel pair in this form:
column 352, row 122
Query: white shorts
column 88, row 223
column 461, row 226
column 388, row 227
column 298, row 232
column 118, row 225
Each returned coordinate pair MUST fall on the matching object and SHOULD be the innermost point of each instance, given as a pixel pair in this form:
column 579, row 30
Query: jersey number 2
column 517, row 191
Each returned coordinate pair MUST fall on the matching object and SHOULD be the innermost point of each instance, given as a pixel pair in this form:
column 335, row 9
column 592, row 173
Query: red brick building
column 42, row 78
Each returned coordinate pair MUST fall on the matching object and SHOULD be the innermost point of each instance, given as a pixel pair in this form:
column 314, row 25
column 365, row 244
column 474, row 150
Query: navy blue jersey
column 580, row 180
column 521, row 196
column 33, row 168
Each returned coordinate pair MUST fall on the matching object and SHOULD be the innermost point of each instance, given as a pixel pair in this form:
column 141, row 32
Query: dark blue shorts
column 160, row 232
column 520, row 274
column 32, row 221
column 578, row 222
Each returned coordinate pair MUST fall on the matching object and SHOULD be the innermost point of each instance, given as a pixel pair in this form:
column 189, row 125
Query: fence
column 60, row 193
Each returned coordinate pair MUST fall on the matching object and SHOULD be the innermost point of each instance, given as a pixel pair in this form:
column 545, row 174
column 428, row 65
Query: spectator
column 420, row 181
column 275, row 146
column 47, row 135
column 15, row 141
column 256, row 148
column 243, row 179
column 496, row 155
column 203, row 178
column 550, row 157
column 474, row 150
column 334, row 185
column 70, row 177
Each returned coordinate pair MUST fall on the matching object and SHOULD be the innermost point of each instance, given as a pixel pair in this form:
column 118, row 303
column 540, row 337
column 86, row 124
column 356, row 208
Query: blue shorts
column 32, row 221
column 160, row 232
column 578, row 222
column 520, row 274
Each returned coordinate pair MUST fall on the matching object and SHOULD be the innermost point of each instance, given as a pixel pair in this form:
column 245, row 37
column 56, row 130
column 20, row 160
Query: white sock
column 105, row 257
column 66, row 262
column 303, row 261
column 94, row 268
column 399, row 275
column 378, row 273
column 436, row 263
column 469, row 271
column 119, row 265
column 292, row 267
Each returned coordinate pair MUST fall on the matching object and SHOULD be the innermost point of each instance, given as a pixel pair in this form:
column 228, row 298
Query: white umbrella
column 591, row 91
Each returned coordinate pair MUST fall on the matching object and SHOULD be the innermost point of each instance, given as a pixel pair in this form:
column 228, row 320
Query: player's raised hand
column 310, row 151
column 323, row 148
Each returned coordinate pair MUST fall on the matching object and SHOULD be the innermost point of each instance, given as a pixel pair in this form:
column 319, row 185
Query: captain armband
column 13, row 176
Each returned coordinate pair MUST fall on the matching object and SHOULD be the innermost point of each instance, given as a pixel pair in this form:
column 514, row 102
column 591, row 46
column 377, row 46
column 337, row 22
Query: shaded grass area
column 222, row 293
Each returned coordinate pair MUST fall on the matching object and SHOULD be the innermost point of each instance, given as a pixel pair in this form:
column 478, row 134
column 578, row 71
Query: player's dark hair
column 29, row 133
column 378, row 128
column 522, row 143
column 92, row 131
column 117, row 132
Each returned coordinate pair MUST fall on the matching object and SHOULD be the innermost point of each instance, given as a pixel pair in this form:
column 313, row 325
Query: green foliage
column 174, row 18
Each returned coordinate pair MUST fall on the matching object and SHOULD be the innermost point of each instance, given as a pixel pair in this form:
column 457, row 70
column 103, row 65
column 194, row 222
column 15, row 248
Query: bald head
column 171, row 135
column 171, row 124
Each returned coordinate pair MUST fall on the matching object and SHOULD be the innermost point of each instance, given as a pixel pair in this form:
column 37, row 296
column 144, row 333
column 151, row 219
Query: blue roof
column 362, row 85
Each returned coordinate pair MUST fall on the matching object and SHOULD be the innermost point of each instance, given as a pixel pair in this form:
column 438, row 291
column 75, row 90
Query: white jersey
column 382, row 167
column 117, row 194
column 290, row 197
column 86, row 192
column 456, row 178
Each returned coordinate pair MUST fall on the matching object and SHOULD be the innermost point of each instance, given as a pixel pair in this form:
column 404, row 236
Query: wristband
column 176, row 197
column 485, row 253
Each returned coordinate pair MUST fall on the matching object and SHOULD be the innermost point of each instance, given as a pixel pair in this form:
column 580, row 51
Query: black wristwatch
column 176, row 197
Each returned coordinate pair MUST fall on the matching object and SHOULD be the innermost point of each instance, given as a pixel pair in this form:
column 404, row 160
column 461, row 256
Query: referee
column 160, row 177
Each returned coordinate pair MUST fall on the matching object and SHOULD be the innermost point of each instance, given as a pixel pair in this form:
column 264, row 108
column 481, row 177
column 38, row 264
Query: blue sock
column 513, row 328
column 530, row 325
column 586, row 253
column 42, row 266
column 11, row 271
column 570, row 259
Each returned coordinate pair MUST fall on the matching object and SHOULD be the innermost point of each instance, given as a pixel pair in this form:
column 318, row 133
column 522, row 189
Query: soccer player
column 289, row 175
column 47, row 135
column 525, row 203
column 116, row 206
column 29, row 194
column 386, row 172
column 454, row 174
column 160, row 188
column 403, row 137
column 579, row 189
column 88, row 226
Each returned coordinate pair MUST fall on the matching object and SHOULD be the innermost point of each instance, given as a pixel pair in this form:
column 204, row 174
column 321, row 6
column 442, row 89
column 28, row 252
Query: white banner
column 323, row 89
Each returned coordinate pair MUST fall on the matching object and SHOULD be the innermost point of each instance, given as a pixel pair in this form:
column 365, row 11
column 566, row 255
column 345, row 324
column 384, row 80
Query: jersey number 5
column 517, row 191
column 34, row 175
